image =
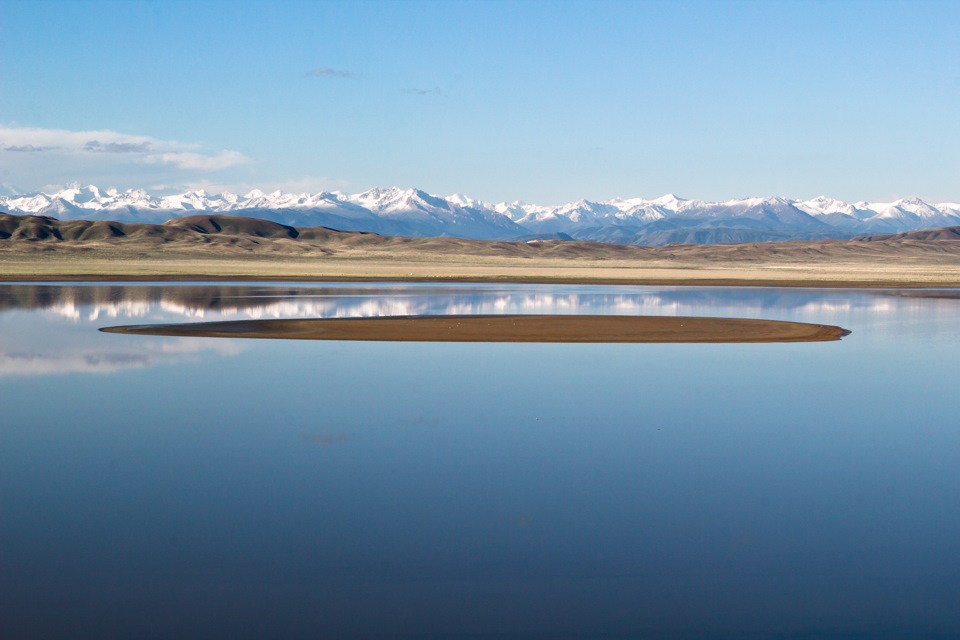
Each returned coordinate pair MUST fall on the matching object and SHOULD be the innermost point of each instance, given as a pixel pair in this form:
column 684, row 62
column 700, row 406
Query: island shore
column 505, row 328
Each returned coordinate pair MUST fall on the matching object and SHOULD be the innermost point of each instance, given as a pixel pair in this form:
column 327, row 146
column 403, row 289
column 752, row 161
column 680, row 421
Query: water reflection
column 304, row 490
column 47, row 329
column 222, row 302
column 38, row 356
column 50, row 330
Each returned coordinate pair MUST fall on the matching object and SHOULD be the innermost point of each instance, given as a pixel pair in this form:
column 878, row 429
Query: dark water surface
column 187, row 487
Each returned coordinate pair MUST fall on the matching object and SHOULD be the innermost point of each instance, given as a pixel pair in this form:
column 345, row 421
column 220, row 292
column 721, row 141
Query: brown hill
column 942, row 233
column 237, row 233
column 233, row 225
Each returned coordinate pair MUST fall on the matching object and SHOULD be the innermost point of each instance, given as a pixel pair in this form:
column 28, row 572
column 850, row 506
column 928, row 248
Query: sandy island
column 505, row 328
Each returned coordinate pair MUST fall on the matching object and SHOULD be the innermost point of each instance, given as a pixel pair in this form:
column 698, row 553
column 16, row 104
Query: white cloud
column 32, row 157
column 190, row 161
column 72, row 141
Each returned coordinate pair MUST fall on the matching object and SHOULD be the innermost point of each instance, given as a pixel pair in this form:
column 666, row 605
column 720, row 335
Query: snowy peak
column 378, row 199
column 669, row 201
column 918, row 207
column 822, row 205
column 465, row 201
column 415, row 212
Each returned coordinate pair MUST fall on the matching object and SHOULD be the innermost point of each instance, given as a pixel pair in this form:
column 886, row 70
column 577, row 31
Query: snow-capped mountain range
column 412, row 212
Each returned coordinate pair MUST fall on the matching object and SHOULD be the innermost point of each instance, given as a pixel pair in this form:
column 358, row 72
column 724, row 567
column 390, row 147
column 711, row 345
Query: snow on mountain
column 822, row 205
column 466, row 201
column 772, row 213
column 35, row 204
column 567, row 217
column 428, row 214
column 515, row 210
column 413, row 212
column 584, row 214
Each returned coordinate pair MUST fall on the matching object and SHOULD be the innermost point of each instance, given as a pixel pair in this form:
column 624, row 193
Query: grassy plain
column 230, row 248
column 684, row 267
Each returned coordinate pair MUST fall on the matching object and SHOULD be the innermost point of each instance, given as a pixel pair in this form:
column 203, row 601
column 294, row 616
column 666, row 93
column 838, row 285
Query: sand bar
column 505, row 328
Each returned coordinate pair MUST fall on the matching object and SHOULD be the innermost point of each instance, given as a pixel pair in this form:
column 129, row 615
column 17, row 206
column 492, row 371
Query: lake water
column 185, row 487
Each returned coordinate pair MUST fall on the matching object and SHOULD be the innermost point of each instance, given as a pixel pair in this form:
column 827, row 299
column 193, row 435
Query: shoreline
column 505, row 328
column 730, row 265
column 666, row 281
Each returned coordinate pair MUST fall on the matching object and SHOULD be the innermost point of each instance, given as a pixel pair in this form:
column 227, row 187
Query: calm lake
column 158, row 487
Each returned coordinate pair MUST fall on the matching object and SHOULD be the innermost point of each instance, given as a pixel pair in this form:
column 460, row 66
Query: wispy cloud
column 328, row 72
column 424, row 92
column 104, row 156
column 116, row 147
column 197, row 161
column 24, row 148
column 148, row 150
column 70, row 141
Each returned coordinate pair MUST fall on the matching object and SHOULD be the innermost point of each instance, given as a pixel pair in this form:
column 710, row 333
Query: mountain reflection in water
column 39, row 318
column 195, row 302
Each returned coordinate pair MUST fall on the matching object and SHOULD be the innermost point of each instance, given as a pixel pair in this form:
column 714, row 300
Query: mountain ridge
column 416, row 213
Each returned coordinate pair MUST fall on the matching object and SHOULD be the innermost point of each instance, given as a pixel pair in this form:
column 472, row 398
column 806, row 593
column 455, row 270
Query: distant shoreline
column 887, row 274
column 546, row 280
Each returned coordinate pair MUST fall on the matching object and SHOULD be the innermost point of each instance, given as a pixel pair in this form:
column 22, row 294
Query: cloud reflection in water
column 49, row 329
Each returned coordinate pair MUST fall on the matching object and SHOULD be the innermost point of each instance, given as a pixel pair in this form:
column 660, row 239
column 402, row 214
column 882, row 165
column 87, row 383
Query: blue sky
column 540, row 101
